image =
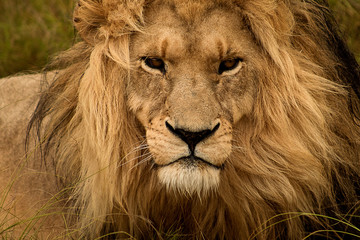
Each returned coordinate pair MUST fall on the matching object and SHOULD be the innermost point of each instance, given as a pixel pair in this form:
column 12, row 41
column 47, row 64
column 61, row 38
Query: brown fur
column 289, row 116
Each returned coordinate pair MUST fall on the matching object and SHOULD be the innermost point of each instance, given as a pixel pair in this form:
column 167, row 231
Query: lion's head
column 217, row 119
column 192, row 81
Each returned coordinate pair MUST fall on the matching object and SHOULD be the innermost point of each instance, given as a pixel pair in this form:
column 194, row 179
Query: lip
column 191, row 160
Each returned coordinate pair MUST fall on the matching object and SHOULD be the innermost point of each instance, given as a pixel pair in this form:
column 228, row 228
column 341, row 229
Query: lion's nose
column 192, row 138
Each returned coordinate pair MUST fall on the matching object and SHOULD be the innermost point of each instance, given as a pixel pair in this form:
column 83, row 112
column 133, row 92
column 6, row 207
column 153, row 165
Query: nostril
column 192, row 138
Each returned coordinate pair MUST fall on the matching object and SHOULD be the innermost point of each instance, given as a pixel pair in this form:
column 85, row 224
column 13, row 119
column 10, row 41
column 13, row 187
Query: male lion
column 186, row 119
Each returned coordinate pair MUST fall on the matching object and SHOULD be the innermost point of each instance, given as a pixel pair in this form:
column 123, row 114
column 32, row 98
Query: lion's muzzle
column 192, row 138
column 189, row 159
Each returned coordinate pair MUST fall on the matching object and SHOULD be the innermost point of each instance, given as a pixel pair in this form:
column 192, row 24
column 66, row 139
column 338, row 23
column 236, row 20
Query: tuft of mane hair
column 305, row 117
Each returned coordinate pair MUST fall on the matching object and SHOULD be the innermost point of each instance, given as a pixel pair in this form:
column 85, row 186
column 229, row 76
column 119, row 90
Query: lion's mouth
column 192, row 162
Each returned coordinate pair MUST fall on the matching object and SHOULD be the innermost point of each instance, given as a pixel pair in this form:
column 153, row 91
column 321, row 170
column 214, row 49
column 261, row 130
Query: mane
column 299, row 124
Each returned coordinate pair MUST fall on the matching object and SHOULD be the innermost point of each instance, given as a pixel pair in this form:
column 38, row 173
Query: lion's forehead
column 218, row 33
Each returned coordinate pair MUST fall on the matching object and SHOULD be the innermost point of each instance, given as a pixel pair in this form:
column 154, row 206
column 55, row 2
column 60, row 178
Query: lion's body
column 188, row 119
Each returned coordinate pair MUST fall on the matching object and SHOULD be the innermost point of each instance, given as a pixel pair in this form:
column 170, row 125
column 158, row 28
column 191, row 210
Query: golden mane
column 305, row 118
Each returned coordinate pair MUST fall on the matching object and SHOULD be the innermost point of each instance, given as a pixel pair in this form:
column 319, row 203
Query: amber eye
column 228, row 65
column 155, row 63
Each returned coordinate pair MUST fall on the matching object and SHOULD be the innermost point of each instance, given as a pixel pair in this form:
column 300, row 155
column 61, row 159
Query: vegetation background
column 31, row 32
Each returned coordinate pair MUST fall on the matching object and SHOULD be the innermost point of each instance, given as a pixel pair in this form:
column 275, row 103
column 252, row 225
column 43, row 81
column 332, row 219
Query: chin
column 189, row 177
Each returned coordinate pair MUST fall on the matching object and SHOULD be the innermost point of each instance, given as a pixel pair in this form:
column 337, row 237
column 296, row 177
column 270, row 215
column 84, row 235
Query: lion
column 186, row 119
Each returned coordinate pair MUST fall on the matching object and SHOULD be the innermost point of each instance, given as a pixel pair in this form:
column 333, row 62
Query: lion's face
column 190, row 86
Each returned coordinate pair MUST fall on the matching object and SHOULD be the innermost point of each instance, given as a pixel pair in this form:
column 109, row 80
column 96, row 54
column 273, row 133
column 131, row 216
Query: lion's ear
column 96, row 20
column 88, row 17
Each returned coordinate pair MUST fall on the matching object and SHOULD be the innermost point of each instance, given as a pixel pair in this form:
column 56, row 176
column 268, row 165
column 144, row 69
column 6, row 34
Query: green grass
column 33, row 31
column 347, row 13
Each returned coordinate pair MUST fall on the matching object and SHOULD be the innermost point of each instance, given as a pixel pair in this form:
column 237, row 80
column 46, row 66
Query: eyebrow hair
column 164, row 45
column 220, row 48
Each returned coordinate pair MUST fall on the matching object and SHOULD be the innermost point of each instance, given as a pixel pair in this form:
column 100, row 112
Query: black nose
column 192, row 138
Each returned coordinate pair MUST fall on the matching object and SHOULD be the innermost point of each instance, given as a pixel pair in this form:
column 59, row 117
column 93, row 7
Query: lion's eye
column 228, row 65
column 155, row 63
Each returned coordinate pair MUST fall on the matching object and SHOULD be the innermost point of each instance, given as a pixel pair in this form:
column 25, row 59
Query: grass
column 33, row 31
column 329, row 230
column 347, row 14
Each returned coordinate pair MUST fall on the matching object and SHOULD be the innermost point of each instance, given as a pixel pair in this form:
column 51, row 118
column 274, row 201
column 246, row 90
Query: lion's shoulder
column 18, row 97
column 17, row 93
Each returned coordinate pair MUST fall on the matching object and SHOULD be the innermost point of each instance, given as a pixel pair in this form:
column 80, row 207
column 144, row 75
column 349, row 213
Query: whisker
column 133, row 159
column 238, row 148
column 141, row 146
column 148, row 158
